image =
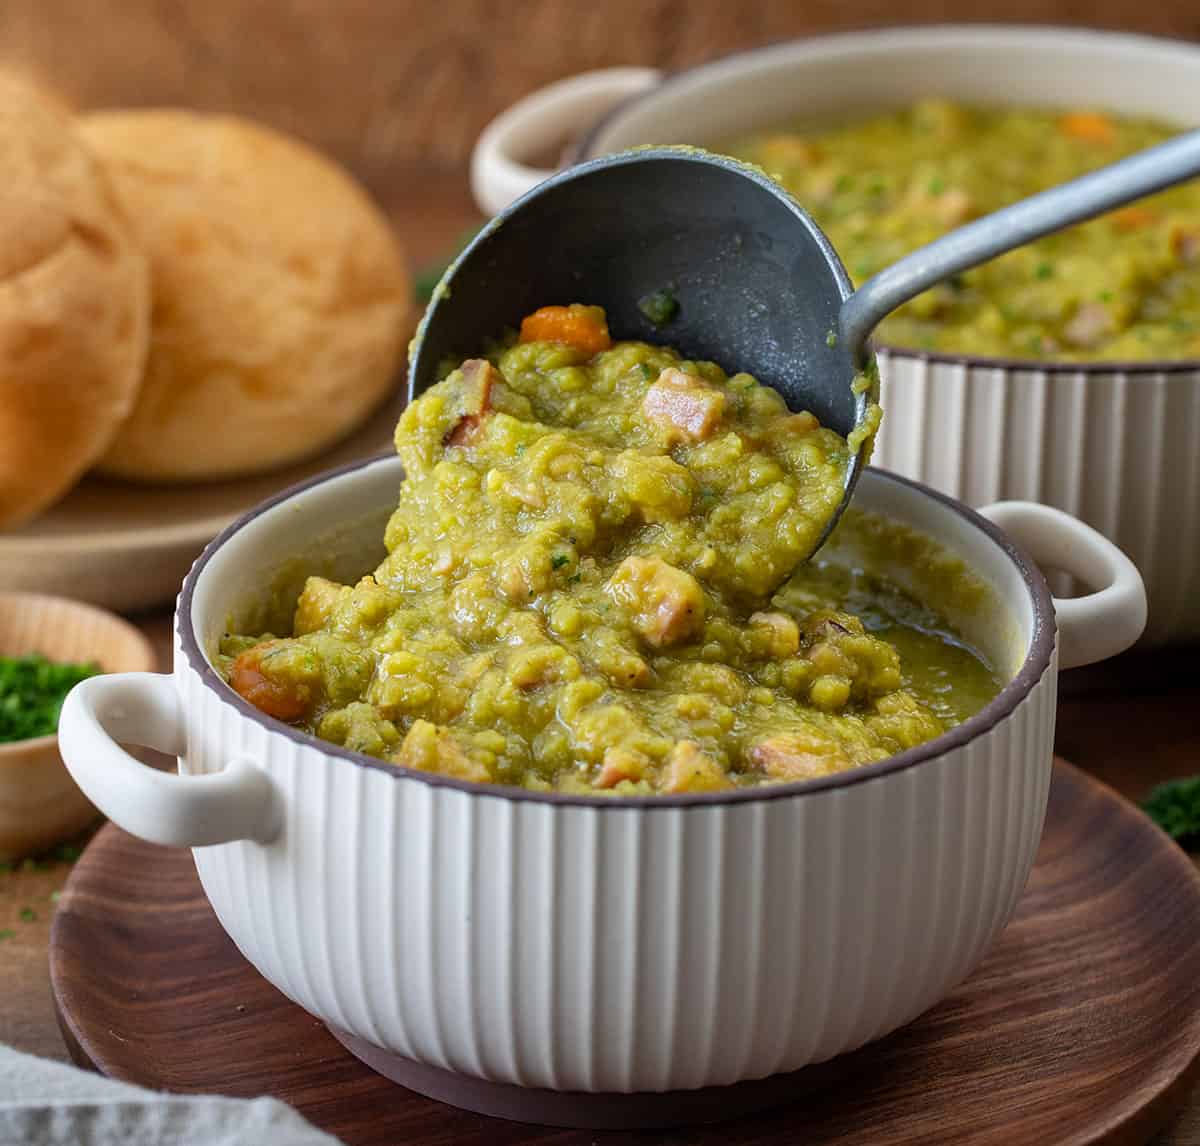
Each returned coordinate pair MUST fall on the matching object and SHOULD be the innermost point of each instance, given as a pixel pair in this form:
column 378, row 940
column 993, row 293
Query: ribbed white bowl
column 586, row 945
column 601, row 949
column 583, row 943
column 1119, row 449
column 1116, row 449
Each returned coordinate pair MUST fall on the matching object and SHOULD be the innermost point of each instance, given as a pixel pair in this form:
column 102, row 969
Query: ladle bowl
column 759, row 287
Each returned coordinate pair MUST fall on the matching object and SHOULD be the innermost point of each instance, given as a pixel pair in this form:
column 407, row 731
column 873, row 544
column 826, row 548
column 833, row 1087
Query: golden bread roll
column 279, row 295
column 35, row 83
column 74, row 305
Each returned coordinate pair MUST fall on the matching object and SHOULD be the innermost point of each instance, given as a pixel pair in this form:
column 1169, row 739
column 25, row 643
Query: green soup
column 590, row 587
column 1122, row 287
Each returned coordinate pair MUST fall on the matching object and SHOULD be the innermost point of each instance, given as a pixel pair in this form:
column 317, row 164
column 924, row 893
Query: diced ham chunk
column 1088, row 325
column 525, row 571
column 621, row 764
column 430, row 748
column 1185, row 244
column 683, row 407
column 478, row 378
column 798, row 756
column 779, row 633
column 953, row 207
column 690, row 770
column 465, row 432
column 665, row 604
column 316, row 605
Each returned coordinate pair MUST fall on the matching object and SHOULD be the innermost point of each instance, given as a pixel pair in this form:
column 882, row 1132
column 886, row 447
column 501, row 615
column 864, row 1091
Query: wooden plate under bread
column 127, row 547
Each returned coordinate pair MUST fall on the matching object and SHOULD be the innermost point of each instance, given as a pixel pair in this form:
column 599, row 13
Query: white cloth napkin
column 45, row 1103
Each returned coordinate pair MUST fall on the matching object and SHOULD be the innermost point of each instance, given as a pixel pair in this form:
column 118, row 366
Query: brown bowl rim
column 1037, row 661
column 11, row 750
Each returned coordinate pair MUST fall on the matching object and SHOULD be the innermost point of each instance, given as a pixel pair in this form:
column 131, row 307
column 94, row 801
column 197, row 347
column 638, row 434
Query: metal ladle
column 759, row 287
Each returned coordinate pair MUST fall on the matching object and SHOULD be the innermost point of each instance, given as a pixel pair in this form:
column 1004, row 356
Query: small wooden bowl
column 39, row 802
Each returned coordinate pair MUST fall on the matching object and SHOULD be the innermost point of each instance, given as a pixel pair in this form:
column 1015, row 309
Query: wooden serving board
column 1082, row 1026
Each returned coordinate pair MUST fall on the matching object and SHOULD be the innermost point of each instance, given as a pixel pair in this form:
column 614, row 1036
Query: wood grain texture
column 26, row 911
column 385, row 84
column 1083, row 1024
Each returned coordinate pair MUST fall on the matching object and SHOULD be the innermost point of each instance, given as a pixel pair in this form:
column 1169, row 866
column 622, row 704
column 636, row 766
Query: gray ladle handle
column 1172, row 162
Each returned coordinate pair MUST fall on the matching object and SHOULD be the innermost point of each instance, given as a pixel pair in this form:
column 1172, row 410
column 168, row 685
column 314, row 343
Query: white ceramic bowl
column 497, row 947
column 1117, row 445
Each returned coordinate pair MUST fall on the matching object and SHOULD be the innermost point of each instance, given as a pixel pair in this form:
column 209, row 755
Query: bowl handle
column 142, row 708
column 541, row 121
column 1099, row 624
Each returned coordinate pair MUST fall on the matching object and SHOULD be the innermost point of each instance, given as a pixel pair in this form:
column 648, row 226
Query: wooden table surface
column 1131, row 730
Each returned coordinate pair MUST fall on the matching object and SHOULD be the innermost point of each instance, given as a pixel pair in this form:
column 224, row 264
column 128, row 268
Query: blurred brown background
column 388, row 84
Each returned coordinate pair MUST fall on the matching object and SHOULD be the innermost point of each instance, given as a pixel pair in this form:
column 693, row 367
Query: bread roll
column 279, row 295
column 74, row 305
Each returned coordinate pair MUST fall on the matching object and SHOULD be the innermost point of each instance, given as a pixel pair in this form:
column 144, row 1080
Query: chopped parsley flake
column 660, row 306
column 32, row 690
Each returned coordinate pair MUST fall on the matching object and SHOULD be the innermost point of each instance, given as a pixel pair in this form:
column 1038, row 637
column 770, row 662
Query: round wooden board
column 1082, row 1026
column 127, row 547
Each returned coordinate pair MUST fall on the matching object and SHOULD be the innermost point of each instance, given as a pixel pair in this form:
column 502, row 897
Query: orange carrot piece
column 1133, row 218
column 1089, row 125
column 584, row 327
column 1185, row 243
column 284, row 700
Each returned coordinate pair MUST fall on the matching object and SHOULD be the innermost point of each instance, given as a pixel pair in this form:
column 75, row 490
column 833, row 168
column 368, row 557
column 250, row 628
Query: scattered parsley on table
column 1175, row 807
